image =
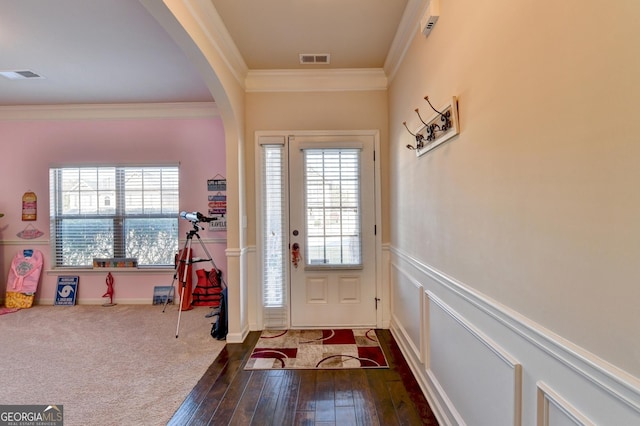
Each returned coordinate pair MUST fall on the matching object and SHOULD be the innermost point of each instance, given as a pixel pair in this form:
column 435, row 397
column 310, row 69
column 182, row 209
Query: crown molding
column 205, row 13
column 209, row 20
column 316, row 80
column 110, row 111
column 409, row 26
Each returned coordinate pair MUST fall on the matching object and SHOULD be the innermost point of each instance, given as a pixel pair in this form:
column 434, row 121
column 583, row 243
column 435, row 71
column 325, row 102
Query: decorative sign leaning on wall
column 66, row 291
column 217, row 203
column 442, row 126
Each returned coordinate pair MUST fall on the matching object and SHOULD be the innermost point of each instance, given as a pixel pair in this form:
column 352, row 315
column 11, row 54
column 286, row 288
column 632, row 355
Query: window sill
column 138, row 270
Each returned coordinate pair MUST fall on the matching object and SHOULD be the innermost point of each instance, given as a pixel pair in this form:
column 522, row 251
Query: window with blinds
column 332, row 206
column 105, row 212
column 274, row 276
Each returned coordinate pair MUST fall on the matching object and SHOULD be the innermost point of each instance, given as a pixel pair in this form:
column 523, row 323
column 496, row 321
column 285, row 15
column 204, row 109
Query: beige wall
column 536, row 203
column 197, row 30
column 357, row 110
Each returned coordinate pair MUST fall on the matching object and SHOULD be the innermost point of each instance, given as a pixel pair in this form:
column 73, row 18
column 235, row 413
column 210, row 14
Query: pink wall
column 29, row 148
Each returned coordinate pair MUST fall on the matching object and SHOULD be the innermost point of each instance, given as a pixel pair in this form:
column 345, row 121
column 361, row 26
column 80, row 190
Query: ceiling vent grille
column 315, row 58
column 20, row 75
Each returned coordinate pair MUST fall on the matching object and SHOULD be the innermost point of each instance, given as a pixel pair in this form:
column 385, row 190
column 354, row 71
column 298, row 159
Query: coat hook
column 445, row 117
column 418, row 136
column 417, row 111
column 426, row 98
column 434, row 129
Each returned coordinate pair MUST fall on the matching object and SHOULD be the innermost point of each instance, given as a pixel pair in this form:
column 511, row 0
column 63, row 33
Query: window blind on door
column 274, row 232
column 332, row 207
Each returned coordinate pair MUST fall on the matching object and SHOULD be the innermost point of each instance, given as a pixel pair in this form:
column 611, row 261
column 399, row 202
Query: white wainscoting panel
column 479, row 362
column 406, row 308
column 384, row 306
column 480, row 378
column 553, row 410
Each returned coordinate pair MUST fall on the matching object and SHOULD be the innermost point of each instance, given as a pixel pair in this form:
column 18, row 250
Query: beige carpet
column 119, row 365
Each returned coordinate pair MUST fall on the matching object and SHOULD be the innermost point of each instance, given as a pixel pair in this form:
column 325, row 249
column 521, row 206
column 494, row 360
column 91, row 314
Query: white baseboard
column 145, row 301
column 238, row 337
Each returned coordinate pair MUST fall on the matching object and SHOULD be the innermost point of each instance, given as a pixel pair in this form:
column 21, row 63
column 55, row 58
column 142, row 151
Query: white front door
column 332, row 243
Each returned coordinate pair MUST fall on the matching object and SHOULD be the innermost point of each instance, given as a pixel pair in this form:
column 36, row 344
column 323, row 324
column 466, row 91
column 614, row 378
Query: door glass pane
column 332, row 207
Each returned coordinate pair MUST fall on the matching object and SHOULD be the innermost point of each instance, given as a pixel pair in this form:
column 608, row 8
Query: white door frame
column 257, row 294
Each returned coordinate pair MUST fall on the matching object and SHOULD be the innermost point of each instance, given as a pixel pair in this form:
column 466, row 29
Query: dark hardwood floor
column 229, row 395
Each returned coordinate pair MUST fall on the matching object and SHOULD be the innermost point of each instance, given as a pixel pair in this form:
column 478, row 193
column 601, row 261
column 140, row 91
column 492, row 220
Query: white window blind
column 274, row 275
column 332, row 206
column 105, row 212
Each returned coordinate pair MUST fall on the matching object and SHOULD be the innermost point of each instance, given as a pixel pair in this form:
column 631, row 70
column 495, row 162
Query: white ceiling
column 114, row 51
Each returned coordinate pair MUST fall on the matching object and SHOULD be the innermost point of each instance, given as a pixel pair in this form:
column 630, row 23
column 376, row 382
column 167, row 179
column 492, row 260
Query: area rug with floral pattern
column 321, row 349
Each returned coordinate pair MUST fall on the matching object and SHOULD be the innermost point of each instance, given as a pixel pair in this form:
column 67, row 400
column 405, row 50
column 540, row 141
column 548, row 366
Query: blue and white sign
column 66, row 290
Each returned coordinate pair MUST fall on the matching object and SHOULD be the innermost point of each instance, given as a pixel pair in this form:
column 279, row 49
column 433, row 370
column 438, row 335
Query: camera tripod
column 186, row 260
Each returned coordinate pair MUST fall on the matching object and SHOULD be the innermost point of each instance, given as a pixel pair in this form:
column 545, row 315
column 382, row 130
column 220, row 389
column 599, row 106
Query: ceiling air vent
column 315, row 58
column 19, row 75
